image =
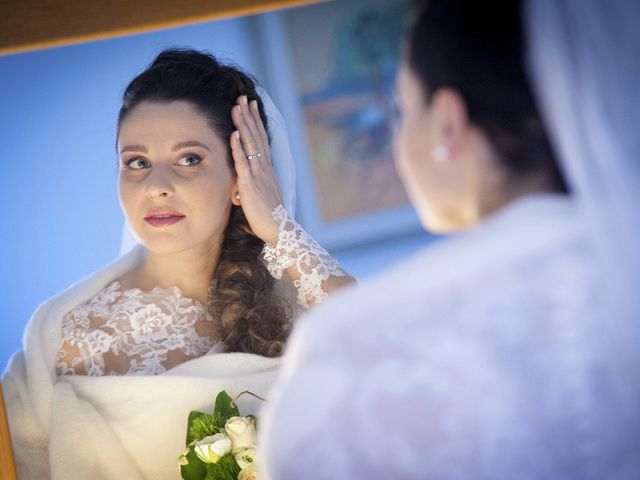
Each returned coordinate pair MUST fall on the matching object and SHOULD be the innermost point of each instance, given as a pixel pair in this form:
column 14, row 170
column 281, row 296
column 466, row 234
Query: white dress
column 112, row 427
column 107, row 377
column 479, row 358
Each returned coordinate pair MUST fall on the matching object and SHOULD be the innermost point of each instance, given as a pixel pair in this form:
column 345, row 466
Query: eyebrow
column 176, row 147
column 189, row 143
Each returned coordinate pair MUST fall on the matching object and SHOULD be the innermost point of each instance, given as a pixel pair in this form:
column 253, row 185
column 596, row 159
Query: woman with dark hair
column 496, row 354
column 112, row 367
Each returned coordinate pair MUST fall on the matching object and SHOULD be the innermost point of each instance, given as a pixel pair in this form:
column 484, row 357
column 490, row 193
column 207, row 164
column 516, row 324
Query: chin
column 441, row 224
column 163, row 246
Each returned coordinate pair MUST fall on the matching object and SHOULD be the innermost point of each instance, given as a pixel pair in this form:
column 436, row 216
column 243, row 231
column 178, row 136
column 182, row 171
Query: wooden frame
column 27, row 25
column 7, row 463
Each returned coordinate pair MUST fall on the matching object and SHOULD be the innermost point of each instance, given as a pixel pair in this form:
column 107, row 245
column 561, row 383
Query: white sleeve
column 295, row 247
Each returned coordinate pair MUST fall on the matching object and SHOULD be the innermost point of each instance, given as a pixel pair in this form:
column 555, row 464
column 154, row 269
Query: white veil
column 283, row 165
column 585, row 64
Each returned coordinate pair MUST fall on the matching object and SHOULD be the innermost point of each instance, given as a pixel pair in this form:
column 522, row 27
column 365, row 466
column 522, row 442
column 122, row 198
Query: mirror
column 57, row 125
column 58, row 121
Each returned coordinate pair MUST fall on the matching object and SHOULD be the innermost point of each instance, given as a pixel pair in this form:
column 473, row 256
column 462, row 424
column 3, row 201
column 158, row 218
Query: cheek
column 411, row 145
column 127, row 193
column 211, row 197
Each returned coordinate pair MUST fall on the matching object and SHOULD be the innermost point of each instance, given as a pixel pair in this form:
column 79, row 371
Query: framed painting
column 334, row 84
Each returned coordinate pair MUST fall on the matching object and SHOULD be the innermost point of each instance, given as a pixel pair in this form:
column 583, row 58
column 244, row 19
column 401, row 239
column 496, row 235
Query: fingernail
column 244, row 99
column 254, row 104
column 237, row 134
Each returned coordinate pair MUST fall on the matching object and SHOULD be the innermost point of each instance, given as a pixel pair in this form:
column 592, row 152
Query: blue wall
column 58, row 112
column 61, row 219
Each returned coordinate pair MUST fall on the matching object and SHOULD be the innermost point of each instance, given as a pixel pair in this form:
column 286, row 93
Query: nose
column 158, row 184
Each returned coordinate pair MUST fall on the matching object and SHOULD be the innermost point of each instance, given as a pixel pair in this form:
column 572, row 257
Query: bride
column 509, row 351
column 111, row 367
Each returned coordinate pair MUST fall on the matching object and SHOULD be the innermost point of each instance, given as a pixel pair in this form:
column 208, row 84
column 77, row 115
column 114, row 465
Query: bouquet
column 220, row 445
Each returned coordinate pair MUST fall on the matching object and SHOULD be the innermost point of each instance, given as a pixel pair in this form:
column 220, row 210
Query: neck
column 494, row 199
column 493, row 186
column 190, row 270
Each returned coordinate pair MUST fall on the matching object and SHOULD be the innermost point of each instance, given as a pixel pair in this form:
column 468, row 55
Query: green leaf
column 224, row 469
column 195, row 469
column 192, row 417
column 225, row 406
column 204, row 425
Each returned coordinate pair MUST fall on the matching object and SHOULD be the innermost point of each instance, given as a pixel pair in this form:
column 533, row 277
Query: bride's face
column 175, row 184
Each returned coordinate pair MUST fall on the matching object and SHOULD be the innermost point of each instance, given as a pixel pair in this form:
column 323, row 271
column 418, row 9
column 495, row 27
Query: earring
column 440, row 153
column 237, row 196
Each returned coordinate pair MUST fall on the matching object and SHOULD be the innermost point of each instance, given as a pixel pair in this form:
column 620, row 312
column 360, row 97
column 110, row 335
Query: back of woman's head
column 249, row 317
column 477, row 49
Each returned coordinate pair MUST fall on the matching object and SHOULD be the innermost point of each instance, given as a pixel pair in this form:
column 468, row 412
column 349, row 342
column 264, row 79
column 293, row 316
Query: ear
column 450, row 122
column 235, row 193
column 235, row 197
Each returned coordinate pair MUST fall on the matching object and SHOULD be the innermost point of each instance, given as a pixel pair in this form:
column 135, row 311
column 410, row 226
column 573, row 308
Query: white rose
column 248, row 474
column 242, row 432
column 246, row 458
column 211, row 448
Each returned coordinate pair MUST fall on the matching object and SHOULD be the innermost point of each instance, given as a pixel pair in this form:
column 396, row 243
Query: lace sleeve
column 296, row 247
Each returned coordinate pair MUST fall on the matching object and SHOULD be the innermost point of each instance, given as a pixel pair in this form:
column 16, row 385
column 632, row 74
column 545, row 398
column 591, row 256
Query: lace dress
column 131, row 332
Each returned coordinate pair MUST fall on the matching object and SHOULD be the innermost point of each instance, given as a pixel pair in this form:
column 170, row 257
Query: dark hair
column 249, row 316
column 477, row 49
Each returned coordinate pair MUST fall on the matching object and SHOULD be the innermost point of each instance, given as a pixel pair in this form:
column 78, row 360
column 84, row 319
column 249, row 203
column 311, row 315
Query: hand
column 257, row 183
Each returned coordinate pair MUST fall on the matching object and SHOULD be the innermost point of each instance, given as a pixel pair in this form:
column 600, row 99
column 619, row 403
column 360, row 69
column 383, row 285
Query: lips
column 163, row 218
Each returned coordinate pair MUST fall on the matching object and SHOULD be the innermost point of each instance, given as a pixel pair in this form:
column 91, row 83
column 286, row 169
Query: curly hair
column 249, row 315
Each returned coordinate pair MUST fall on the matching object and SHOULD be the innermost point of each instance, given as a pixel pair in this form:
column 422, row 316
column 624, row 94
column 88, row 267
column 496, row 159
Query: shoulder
column 478, row 332
column 460, row 285
column 45, row 321
column 15, row 368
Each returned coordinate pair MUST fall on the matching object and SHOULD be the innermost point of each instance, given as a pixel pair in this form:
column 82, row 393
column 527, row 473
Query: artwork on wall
column 335, row 83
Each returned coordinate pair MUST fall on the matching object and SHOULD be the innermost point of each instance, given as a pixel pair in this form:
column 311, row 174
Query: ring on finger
column 255, row 155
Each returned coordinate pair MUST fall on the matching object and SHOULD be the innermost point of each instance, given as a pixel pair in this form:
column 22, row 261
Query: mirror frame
column 27, row 25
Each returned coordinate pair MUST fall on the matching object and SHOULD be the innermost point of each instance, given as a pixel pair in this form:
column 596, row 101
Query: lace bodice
column 132, row 332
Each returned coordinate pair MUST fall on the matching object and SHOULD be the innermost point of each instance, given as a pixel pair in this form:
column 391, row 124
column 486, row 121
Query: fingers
column 250, row 120
column 246, row 136
column 250, row 135
column 239, row 156
column 255, row 113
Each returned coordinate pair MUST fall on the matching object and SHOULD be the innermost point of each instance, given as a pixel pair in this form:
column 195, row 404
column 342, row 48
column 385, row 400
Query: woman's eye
column 190, row 160
column 138, row 164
